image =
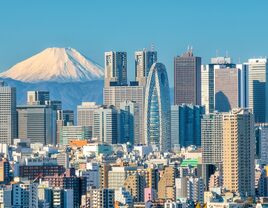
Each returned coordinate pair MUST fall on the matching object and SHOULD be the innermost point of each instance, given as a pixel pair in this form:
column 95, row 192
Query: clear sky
column 95, row 26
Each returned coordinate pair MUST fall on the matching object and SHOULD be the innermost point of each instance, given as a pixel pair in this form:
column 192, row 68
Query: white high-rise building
column 257, row 88
column 85, row 113
column 8, row 117
column 106, row 125
column 143, row 62
column 115, row 68
column 207, row 87
column 157, row 121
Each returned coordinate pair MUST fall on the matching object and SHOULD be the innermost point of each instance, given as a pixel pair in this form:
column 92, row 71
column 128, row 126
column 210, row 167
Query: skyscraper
column 115, row 68
column 227, row 89
column 115, row 95
column 143, row 62
column 257, row 78
column 207, row 87
column 187, row 79
column 186, row 125
column 223, row 85
column 261, row 132
column 85, row 113
column 8, row 117
column 37, row 123
column 106, row 121
column 129, row 122
column 211, row 138
column 239, row 152
column 157, row 108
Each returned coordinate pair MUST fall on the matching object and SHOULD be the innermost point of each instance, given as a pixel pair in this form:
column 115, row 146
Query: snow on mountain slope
column 57, row 65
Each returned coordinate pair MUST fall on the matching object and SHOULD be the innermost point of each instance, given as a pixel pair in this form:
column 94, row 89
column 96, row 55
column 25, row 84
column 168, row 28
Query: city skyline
column 90, row 116
column 32, row 27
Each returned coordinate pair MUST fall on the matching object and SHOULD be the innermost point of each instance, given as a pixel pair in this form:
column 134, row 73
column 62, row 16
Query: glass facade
column 157, row 108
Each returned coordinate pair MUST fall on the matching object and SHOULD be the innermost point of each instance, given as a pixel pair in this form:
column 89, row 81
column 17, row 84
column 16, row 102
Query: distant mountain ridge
column 55, row 65
column 71, row 94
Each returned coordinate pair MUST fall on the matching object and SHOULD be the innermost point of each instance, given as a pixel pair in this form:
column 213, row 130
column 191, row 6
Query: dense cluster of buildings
column 137, row 149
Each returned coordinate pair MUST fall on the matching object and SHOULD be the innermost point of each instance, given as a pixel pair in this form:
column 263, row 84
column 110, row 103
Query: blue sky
column 95, row 26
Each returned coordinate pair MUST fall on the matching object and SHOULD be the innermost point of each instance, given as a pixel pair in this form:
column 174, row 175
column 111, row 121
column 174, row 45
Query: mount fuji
column 55, row 65
column 64, row 72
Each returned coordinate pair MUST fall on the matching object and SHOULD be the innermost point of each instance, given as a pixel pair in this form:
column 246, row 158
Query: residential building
column 239, row 152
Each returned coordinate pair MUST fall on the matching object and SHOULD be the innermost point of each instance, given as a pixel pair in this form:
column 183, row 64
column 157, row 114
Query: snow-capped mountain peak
column 57, row 65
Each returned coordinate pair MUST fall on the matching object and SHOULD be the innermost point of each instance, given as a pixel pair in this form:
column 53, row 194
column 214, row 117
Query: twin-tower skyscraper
column 150, row 91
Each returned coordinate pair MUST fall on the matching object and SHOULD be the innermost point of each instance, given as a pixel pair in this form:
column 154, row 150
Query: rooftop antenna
column 152, row 47
column 239, row 61
column 217, row 52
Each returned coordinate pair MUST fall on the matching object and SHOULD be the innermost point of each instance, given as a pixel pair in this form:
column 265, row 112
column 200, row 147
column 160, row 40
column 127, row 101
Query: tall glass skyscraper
column 257, row 87
column 157, row 108
column 186, row 125
column 187, row 79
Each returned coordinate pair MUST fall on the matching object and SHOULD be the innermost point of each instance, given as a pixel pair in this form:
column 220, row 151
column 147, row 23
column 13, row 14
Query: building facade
column 143, row 62
column 186, row 125
column 37, row 123
column 129, row 122
column 118, row 94
column 157, row 126
column 115, row 68
column 187, row 79
column 239, row 152
column 106, row 125
column 8, row 117
column 227, row 89
column 257, row 87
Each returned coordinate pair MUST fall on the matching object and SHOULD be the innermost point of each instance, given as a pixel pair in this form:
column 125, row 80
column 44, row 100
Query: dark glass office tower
column 187, row 79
